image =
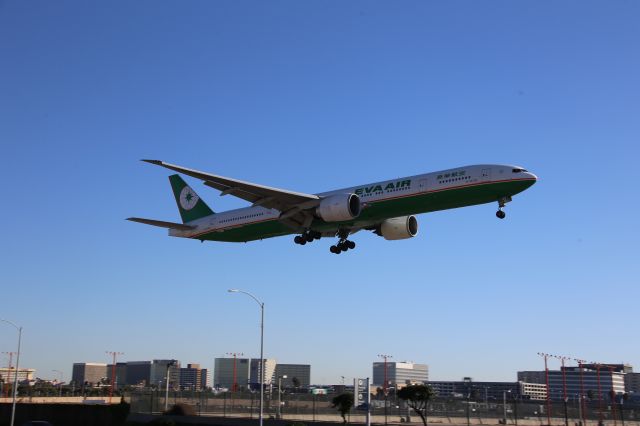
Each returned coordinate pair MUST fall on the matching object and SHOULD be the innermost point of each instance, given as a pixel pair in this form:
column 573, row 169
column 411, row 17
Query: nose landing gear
column 501, row 202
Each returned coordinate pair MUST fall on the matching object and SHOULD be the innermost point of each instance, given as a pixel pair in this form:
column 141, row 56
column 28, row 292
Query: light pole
column 384, row 385
column 15, row 379
column 11, row 354
column 235, row 355
column 280, row 395
column 261, row 304
column 583, row 416
column 60, row 380
column 546, row 373
column 565, row 397
column 114, row 354
column 504, row 406
column 166, row 395
column 467, row 381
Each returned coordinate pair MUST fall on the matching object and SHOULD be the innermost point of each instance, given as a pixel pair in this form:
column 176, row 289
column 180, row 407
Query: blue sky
column 312, row 96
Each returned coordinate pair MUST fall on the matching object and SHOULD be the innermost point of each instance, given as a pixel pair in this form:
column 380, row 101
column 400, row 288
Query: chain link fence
column 303, row 406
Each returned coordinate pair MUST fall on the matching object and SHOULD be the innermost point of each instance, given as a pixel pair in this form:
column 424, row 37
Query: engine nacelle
column 339, row 208
column 398, row 228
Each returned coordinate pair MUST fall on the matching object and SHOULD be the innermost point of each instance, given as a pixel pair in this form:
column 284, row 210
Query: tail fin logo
column 188, row 198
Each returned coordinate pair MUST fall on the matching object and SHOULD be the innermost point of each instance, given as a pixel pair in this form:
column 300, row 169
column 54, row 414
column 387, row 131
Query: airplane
column 386, row 208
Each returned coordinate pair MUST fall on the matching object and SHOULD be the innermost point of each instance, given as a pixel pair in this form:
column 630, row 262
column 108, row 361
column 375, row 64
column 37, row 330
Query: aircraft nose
column 532, row 176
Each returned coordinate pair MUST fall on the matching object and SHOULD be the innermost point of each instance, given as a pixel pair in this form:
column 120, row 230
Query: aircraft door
column 486, row 174
column 422, row 185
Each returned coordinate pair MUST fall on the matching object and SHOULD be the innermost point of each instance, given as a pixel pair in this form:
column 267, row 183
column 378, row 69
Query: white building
column 24, row 374
column 269, row 372
column 399, row 373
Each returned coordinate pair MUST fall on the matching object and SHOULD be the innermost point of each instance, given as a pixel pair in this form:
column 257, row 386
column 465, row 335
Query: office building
column 632, row 382
column 269, row 372
column 489, row 391
column 159, row 369
column 223, row 372
column 193, row 377
column 478, row 391
column 533, row 391
column 399, row 374
column 301, row 372
column 588, row 381
column 138, row 373
column 120, row 374
column 88, row 373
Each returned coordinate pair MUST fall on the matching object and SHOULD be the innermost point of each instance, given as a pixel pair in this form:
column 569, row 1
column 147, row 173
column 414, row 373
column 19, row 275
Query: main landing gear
column 343, row 243
column 307, row 237
column 501, row 202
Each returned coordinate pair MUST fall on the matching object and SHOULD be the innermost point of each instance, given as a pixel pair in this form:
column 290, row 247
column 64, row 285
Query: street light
column 166, row 395
column 261, row 304
column 60, row 382
column 280, row 395
column 15, row 379
column 504, row 406
column 467, row 381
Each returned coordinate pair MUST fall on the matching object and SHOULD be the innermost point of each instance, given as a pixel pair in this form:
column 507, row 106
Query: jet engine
column 339, row 207
column 398, row 228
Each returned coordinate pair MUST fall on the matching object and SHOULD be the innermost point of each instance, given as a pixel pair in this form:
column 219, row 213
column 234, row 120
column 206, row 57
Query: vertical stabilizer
column 190, row 205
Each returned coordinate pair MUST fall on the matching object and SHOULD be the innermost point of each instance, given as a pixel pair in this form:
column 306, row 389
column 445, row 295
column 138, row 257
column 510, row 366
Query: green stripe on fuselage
column 383, row 209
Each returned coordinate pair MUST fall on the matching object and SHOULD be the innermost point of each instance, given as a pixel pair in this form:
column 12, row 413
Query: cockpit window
column 518, row 170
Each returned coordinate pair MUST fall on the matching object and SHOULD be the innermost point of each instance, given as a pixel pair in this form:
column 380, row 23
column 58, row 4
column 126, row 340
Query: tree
column 343, row 403
column 417, row 397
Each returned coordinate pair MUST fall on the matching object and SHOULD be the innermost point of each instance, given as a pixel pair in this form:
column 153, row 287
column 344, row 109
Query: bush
column 181, row 410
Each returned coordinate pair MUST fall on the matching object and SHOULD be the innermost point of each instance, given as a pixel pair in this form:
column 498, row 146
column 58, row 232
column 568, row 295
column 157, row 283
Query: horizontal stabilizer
column 161, row 223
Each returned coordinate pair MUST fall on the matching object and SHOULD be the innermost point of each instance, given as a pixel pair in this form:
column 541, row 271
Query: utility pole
column 546, row 370
column 114, row 354
column 384, row 385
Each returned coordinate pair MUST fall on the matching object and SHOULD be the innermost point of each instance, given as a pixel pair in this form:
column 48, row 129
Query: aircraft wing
column 288, row 202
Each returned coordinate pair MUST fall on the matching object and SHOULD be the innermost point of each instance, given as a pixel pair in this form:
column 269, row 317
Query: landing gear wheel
column 309, row 237
column 298, row 239
column 334, row 250
column 500, row 214
column 350, row 244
